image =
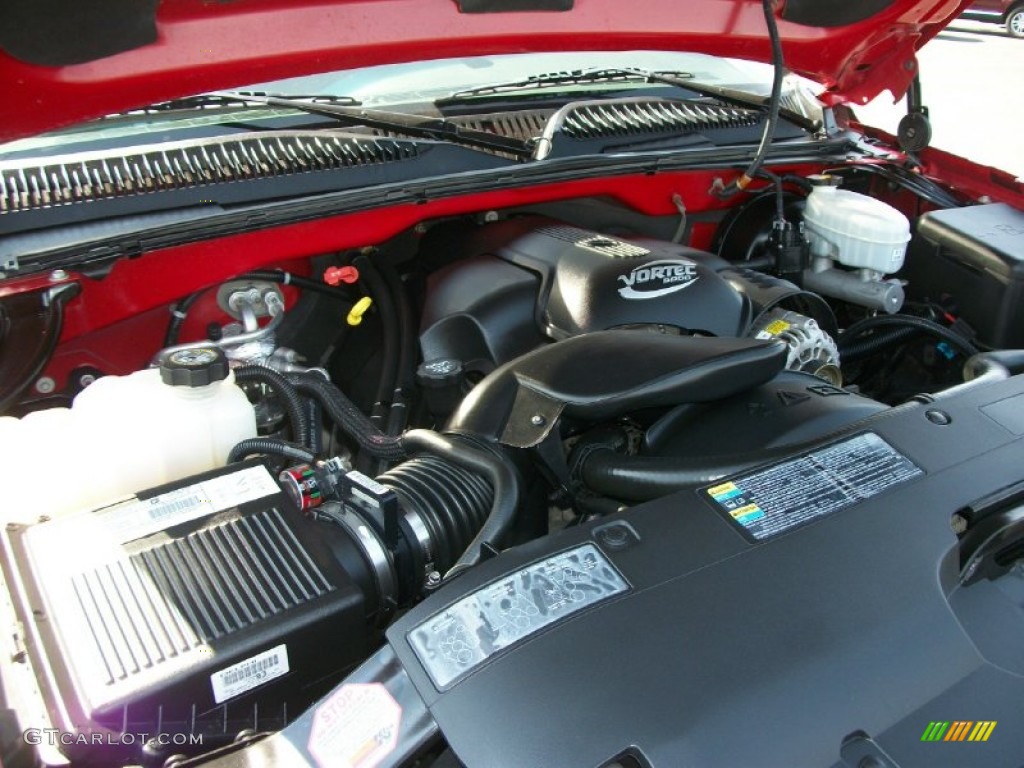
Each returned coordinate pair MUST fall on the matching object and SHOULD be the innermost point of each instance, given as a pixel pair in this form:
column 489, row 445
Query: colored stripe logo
column 959, row 730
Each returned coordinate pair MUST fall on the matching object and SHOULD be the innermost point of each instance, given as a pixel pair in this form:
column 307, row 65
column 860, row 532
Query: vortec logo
column 658, row 278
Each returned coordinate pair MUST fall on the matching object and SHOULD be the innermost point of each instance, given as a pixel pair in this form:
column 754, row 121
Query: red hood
column 193, row 46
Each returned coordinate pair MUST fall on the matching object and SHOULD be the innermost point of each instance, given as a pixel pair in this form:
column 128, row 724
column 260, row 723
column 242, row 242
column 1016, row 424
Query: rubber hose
column 286, row 392
column 349, row 418
column 876, row 342
column 774, row 103
column 308, row 284
column 269, row 446
column 499, row 474
column 642, row 478
column 928, row 326
column 178, row 314
column 372, row 282
column 406, row 351
column 51, row 337
column 451, row 502
column 982, row 369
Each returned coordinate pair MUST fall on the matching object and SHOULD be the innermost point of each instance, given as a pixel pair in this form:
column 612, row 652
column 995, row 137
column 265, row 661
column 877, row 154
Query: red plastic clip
column 335, row 276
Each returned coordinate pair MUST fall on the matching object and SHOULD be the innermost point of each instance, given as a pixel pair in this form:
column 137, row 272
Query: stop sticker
column 356, row 727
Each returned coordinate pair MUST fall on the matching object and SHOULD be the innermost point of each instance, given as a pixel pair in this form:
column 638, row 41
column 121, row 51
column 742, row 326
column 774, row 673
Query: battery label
column 246, row 675
column 774, row 500
column 455, row 641
column 141, row 517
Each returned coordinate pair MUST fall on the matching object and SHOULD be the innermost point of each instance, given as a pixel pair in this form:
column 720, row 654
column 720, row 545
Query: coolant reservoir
column 124, row 434
column 855, row 230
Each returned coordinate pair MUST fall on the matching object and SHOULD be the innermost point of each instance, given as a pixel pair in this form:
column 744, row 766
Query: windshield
column 414, row 87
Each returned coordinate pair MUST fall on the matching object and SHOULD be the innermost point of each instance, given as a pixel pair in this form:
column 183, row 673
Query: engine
column 530, row 281
column 290, row 485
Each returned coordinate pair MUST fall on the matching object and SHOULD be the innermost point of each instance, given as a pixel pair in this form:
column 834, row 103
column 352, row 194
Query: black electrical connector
column 789, row 249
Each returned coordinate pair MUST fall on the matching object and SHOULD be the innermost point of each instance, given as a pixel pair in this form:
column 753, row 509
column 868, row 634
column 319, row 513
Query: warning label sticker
column 355, row 727
column 774, row 500
column 462, row 637
column 140, row 518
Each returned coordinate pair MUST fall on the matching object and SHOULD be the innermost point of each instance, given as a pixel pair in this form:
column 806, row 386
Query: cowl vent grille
column 593, row 121
column 183, row 165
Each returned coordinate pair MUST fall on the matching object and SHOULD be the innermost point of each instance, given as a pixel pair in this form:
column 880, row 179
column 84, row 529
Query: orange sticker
column 356, row 727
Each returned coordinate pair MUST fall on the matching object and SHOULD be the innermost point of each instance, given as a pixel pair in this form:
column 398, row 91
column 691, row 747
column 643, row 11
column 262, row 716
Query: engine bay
column 278, row 459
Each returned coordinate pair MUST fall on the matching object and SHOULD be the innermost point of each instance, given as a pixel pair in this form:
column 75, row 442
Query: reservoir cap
column 195, row 367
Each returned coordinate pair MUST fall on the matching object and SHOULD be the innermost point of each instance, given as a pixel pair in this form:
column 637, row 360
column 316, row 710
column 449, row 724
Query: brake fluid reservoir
column 855, row 230
column 124, row 434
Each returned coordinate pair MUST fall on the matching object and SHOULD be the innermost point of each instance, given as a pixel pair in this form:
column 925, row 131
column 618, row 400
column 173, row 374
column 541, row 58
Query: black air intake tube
column 444, row 507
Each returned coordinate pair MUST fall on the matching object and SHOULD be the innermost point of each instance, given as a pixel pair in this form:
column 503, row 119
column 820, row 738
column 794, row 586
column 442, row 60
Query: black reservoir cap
column 195, row 367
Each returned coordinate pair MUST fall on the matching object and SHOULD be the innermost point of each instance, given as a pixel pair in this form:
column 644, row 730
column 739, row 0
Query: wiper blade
column 685, row 80
column 731, row 96
column 573, row 77
column 438, row 129
column 239, row 100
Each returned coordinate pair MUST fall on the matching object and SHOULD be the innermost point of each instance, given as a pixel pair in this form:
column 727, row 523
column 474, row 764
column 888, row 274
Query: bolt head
column 45, row 385
column 537, row 420
column 58, row 275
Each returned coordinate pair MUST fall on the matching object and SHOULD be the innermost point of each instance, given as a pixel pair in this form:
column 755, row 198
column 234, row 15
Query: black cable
column 353, row 422
column 286, row 393
column 920, row 185
column 876, row 342
column 775, row 102
column 776, row 180
column 861, row 327
column 178, row 313
column 51, row 337
column 406, row 351
column 308, row 284
column 376, row 287
column 269, row 446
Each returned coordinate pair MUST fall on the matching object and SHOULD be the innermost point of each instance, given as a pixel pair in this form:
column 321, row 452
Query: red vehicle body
column 446, row 310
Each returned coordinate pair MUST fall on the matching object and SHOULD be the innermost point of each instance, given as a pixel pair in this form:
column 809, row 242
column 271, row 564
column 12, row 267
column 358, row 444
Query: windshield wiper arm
column 731, row 96
column 573, row 77
column 439, row 129
column 685, row 80
column 239, row 100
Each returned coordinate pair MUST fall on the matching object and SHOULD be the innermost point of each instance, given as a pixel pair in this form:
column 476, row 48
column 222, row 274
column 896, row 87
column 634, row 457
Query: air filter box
column 173, row 621
column 974, row 256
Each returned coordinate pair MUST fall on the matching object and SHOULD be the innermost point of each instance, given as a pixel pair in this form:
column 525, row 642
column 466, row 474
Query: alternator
column 810, row 349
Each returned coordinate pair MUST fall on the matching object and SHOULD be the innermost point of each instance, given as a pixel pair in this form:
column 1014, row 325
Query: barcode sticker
column 139, row 518
column 246, row 675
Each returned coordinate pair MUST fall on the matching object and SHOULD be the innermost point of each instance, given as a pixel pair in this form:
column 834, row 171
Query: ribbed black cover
column 627, row 118
column 171, row 599
column 29, row 184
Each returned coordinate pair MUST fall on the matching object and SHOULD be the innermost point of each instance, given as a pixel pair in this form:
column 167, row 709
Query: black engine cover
column 530, row 279
column 818, row 635
column 592, row 281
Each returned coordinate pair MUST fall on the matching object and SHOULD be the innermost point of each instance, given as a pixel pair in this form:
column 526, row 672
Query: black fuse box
column 975, row 256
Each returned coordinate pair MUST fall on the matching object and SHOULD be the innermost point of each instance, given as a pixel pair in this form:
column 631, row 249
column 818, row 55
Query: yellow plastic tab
column 360, row 308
